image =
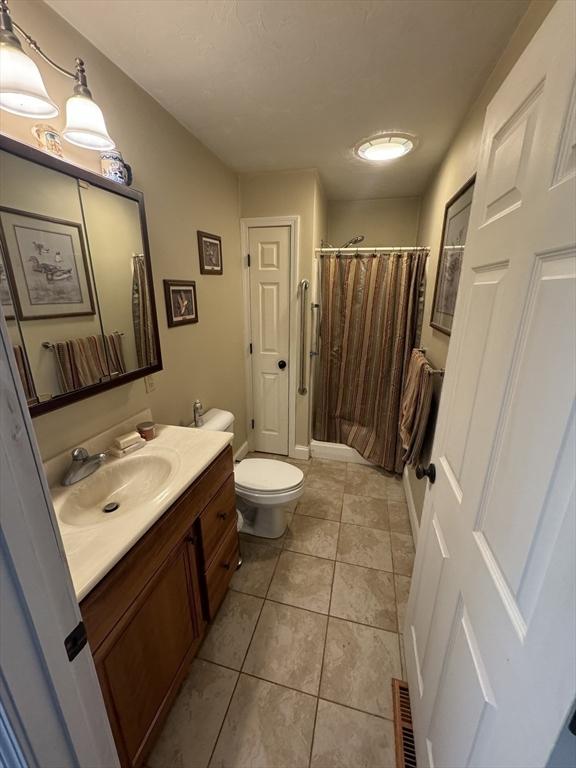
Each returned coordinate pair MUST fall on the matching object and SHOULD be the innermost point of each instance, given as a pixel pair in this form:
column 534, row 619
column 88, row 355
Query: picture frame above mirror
column 76, row 285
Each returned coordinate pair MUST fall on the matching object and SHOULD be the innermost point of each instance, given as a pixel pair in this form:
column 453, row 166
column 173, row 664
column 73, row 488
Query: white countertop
column 93, row 550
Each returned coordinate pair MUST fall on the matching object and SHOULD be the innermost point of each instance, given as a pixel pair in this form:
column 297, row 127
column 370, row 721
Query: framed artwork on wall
column 454, row 231
column 181, row 304
column 210, row 253
column 47, row 266
column 5, row 293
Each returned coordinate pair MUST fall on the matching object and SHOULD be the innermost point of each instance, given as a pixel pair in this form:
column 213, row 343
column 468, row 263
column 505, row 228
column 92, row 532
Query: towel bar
column 438, row 371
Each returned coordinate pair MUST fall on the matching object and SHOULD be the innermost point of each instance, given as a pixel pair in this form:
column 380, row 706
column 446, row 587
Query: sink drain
column 112, row 506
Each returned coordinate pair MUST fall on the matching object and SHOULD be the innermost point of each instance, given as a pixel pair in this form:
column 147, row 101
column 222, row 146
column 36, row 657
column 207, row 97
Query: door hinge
column 248, row 259
column 252, row 423
column 250, row 347
column 75, row 641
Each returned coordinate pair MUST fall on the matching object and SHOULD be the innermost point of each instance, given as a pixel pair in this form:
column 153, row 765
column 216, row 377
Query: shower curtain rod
column 388, row 249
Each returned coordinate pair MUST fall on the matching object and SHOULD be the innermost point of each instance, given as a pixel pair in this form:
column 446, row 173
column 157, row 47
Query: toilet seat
column 268, row 482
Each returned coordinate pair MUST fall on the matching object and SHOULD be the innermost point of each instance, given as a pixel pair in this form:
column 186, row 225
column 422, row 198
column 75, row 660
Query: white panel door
column 270, row 321
column 490, row 628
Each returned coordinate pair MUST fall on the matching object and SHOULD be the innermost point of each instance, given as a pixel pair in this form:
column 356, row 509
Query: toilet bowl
column 263, row 486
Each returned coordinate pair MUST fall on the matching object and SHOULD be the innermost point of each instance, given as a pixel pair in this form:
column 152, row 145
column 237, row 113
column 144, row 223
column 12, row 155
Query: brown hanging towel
column 415, row 409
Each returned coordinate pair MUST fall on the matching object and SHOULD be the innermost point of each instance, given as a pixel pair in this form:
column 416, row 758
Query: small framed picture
column 454, row 231
column 210, row 253
column 47, row 265
column 181, row 304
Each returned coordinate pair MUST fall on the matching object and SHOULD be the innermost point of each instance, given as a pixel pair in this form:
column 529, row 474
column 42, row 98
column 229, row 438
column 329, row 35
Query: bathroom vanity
column 145, row 617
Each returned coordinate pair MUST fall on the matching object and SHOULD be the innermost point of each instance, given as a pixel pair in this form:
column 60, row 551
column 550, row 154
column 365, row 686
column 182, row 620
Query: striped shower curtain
column 142, row 313
column 370, row 320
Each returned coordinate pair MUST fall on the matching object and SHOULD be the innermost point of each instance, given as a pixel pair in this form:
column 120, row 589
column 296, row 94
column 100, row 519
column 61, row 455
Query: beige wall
column 458, row 166
column 290, row 193
column 386, row 221
column 186, row 188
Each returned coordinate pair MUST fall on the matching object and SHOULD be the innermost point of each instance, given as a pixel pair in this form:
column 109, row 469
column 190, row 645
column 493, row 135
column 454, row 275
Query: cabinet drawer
column 220, row 571
column 217, row 517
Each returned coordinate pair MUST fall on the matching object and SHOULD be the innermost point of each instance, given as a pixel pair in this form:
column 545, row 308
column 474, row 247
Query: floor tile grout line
column 217, row 739
column 329, row 615
column 324, row 648
column 313, row 696
column 320, row 613
column 368, row 567
column 242, row 664
column 297, row 690
column 323, row 655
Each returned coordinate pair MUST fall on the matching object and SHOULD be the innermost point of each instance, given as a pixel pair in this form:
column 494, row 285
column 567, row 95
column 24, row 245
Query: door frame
column 293, row 222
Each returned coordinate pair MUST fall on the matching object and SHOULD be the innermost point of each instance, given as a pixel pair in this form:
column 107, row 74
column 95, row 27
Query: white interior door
column 490, row 629
column 51, row 708
column 270, row 324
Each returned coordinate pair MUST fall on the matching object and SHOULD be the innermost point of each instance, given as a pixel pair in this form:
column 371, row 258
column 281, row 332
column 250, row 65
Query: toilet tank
column 217, row 420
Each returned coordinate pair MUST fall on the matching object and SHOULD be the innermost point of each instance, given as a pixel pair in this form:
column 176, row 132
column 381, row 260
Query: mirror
column 75, row 278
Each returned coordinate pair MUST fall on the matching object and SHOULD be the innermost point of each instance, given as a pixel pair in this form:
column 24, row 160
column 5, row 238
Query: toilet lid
column 267, row 475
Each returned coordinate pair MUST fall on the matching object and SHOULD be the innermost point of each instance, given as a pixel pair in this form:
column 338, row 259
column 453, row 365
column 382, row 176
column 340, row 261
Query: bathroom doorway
column 270, row 270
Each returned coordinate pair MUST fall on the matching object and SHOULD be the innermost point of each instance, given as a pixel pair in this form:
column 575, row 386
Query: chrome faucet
column 82, row 465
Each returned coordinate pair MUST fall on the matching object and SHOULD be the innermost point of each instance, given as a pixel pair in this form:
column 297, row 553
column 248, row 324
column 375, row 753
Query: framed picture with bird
column 46, row 265
column 181, row 304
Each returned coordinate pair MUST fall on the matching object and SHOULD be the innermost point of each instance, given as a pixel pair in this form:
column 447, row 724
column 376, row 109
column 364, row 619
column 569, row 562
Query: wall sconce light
column 23, row 93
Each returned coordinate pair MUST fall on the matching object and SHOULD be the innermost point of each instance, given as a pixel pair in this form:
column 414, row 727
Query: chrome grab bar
column 316, row 329
column 303, row 290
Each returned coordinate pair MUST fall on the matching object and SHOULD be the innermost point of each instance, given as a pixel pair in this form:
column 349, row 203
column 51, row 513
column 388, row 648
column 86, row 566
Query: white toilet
column 263, row 486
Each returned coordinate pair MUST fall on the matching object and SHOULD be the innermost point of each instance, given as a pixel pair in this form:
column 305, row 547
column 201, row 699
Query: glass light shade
column 85, row 126
column 22, row 90
column 386, row 147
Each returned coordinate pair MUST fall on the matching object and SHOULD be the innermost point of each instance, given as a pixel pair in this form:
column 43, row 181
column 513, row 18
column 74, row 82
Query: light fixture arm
column 7, row 34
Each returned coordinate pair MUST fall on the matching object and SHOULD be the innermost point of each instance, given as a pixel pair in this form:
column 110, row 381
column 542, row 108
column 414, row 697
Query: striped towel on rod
column 89, row 360
column 415, row 408
column 24, row 371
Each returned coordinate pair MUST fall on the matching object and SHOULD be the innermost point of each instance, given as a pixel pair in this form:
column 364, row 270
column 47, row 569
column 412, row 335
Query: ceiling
column 277, row 84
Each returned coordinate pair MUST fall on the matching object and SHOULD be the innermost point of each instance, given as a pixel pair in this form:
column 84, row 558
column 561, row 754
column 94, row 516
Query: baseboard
column 241, row 452
column 411, row 506
column 301, row 452
column 336, row 452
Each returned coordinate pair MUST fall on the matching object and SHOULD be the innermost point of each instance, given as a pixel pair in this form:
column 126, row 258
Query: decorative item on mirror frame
column 454, row 231
column 114, row 168
column 210, row 253
column 181, row 304
column 48, row 139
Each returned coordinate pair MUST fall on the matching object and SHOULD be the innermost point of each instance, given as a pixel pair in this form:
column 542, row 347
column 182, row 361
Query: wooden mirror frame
column 49, row 161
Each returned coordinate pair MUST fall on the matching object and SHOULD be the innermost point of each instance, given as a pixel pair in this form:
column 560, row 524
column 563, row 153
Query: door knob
column 281, row 364
column 429, row 472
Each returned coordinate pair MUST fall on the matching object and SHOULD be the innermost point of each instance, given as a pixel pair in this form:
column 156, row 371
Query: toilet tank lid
column 218, row 420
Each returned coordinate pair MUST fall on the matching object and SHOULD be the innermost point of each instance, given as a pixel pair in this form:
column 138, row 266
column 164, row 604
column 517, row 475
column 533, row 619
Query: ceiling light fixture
column 385, row 146
column 23, row 93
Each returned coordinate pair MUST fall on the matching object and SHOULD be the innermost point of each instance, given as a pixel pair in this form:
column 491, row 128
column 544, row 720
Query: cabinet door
column 146, row 662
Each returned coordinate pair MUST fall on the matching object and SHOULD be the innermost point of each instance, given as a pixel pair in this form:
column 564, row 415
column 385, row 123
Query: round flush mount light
column 385, row 146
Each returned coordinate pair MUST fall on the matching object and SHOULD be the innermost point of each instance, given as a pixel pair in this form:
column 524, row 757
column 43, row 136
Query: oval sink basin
column 122, row 487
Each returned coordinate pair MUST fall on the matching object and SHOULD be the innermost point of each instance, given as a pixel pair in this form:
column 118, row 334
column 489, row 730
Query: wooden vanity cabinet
column 146, row 619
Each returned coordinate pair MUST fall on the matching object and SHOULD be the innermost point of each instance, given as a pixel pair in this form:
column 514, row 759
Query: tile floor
column 295, row 670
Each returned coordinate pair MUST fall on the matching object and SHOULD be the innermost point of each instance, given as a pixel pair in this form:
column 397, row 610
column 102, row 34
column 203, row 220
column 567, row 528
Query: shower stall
column 367, row 319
